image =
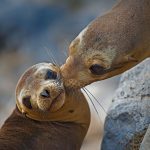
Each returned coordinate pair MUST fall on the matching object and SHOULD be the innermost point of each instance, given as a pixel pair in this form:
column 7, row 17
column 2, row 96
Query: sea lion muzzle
column 45, row 94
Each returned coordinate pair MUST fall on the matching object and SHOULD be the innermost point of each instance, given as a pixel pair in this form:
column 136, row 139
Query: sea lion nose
column 67, row 70
column 45, row 94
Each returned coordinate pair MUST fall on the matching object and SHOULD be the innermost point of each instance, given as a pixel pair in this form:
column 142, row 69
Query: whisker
column 97, row 101
column 92, row 103
column 51, row 56
column 56, row 62
column 59, row 79
column 108, row 115
column 65, row 56
column 65, row 53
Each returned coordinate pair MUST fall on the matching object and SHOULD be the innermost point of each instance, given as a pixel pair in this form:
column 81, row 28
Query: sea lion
column 109, row 45
column 48, row 115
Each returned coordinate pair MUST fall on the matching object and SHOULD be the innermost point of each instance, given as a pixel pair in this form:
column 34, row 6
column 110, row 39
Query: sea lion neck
column 124, row 28
column 134, row 4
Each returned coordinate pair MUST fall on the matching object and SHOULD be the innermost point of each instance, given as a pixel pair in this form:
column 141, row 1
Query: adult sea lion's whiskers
column 96, row 101
column 92, row 102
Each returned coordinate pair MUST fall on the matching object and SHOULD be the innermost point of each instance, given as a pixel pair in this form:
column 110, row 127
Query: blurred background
column 30, row 28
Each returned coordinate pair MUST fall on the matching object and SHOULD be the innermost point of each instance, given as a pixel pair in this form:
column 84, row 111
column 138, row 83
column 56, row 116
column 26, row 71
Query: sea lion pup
column 48, row 116
column 110, row 44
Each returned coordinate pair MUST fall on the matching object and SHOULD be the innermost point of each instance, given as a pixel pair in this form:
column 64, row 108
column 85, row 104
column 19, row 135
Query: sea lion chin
column 40, row 91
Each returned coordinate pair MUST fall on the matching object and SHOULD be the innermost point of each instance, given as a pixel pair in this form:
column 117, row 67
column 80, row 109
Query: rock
column 129, row 116
column 146, row 141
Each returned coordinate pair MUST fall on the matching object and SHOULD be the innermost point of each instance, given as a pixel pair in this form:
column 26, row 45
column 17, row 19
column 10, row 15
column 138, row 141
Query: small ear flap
column 129, row 58
column 26, row 102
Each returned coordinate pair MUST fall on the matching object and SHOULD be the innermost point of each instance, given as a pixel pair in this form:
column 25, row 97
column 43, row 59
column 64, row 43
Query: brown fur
column 62, row 129
column 22, row 133
column 118, row 40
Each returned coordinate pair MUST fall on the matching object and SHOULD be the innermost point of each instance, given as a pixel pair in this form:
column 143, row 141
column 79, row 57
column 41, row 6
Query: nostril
column 45, row 94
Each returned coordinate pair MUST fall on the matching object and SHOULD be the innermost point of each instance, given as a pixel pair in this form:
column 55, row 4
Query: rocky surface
column 129, row 116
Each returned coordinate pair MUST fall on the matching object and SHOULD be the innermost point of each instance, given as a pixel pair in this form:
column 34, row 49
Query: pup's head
column 40, row 91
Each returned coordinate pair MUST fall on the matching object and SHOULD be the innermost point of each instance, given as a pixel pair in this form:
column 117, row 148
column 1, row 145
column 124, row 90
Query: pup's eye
column 97, row 69
column 50, row 75
column 26, row 102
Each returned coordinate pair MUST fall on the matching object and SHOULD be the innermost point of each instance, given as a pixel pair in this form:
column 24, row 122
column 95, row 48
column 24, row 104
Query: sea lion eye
column 26, row 102
column 97, row 69
column 50, row 75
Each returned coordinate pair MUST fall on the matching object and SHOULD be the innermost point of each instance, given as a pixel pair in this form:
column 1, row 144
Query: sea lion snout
column 50, row 96
column 67, row 70
column 45, row 94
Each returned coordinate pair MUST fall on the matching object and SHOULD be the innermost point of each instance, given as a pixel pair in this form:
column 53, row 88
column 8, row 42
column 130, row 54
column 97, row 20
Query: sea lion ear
column 131, row 58
column 128, row 58
column 27, row 102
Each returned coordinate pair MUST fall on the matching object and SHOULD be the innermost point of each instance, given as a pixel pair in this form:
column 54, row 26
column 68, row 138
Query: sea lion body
column 48, row 115
column 22, row 133
column 109, row 45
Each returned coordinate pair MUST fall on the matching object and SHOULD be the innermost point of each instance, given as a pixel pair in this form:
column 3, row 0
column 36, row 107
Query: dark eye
column 50, row 75
column 97, row 69
column 26, row 102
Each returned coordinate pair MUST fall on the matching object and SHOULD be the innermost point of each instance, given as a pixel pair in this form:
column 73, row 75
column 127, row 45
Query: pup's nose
column 45, row 94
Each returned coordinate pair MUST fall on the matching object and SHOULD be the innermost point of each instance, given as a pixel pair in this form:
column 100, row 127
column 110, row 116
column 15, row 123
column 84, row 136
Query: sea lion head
column 40, row 91
column 102, row 50
column 90, row 58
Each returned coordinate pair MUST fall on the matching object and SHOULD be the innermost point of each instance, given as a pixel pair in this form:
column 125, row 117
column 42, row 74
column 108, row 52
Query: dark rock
column 129, row 116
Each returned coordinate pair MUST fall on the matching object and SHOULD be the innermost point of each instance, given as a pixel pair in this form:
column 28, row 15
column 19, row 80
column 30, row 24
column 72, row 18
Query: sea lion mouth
column 58, row 102
column 51, row 96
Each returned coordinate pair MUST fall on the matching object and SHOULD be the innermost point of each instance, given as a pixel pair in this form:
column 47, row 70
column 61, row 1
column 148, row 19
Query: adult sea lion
column 110, row 45
column 48, row 116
